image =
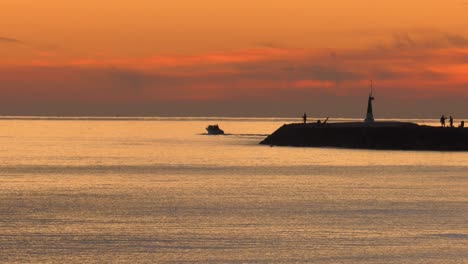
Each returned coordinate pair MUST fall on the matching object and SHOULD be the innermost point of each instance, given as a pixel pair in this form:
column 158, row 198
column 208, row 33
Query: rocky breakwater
column 375, row 135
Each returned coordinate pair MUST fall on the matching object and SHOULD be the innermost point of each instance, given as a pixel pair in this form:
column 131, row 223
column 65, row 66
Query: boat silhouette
column 214, row 130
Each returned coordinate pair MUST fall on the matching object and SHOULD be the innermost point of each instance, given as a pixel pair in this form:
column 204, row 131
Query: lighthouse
column 370, row 114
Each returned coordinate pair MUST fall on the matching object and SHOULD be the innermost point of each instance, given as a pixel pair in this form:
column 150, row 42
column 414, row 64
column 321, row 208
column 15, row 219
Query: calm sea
column 156, row 190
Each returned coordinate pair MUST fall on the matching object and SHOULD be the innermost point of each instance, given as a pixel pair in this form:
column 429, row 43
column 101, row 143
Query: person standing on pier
column 451, row 121
column 442, row 120
column 304, row 117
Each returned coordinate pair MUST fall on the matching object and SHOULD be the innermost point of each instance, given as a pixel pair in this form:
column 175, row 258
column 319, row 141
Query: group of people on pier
column 444, row 118
column 319, row 122
column 442, row 121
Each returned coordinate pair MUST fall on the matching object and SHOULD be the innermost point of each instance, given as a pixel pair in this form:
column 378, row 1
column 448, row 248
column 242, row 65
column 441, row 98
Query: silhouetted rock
column 376, row 135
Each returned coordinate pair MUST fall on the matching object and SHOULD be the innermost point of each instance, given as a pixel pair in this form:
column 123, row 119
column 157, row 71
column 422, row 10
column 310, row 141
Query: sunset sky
column 233, row 58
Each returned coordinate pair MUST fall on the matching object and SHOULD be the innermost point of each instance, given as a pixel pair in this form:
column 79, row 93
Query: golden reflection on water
column 151, row 191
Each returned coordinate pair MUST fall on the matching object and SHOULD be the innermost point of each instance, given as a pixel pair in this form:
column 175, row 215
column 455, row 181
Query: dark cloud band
column 9, row 40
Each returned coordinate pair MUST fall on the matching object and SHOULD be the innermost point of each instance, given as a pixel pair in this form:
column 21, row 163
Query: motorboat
column 214, row 130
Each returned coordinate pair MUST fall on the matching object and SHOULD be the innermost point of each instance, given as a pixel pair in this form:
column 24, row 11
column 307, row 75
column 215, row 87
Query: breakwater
column 376, row 135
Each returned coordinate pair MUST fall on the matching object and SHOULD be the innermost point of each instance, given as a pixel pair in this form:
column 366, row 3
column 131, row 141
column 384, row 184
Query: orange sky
column 191, row 57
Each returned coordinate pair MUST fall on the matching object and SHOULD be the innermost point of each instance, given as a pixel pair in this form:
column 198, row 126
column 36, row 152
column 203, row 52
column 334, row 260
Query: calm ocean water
column 156, row 190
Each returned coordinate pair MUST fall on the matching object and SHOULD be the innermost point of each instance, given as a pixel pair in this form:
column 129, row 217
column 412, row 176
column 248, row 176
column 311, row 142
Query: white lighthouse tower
column 370, row 114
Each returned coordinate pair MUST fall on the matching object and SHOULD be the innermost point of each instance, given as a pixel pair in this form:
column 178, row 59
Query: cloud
column 412, row 67
column 30, row 46
column 271, row 44
column 426, row 40
column 457, row 40
column 9, row 40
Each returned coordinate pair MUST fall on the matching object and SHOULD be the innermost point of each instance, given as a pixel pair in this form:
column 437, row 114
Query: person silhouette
column 442, row 120
column 304, row 117
column 451, row 121
column 462, row 124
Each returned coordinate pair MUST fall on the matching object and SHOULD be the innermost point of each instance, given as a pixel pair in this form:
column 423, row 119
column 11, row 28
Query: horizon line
column 182, row 118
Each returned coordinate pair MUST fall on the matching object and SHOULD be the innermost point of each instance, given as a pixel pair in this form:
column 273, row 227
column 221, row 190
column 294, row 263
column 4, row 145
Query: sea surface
column 158, row 190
